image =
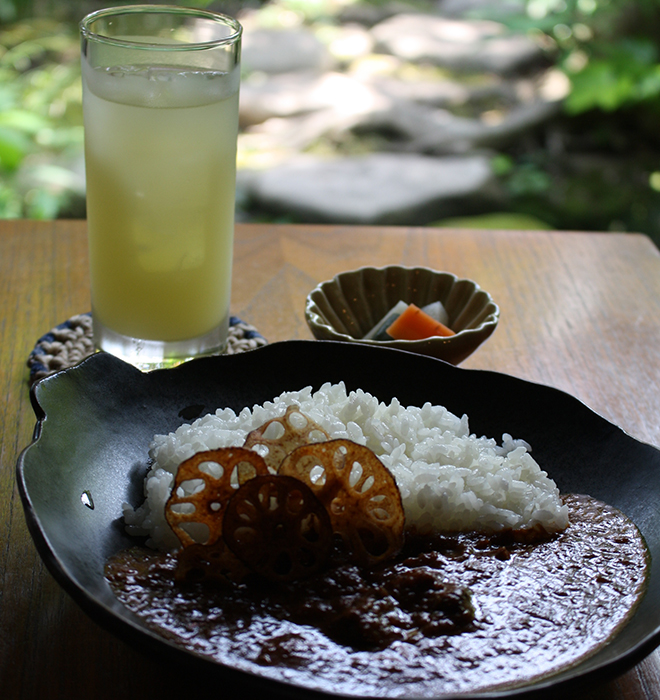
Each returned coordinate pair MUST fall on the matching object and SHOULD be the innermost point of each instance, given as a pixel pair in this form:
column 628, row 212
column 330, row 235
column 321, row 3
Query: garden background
column 589, row 160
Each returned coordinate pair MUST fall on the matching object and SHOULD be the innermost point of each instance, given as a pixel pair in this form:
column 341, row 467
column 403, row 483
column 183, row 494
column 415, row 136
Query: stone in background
column 394, row 119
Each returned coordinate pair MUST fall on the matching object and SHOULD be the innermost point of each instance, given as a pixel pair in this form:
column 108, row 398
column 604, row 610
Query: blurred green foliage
column 40, row 118
column 607, row 48
column 598, row 166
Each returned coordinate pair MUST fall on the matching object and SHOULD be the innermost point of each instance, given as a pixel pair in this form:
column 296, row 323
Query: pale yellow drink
column 160, row 155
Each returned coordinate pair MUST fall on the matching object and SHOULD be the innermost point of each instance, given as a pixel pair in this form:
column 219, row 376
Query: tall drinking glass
column 160, row 104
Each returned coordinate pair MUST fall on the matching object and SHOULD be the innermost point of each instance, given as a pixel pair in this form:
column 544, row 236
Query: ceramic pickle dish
column 348, row 306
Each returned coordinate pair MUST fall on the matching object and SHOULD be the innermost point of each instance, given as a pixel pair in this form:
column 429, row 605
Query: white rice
column 449, row 479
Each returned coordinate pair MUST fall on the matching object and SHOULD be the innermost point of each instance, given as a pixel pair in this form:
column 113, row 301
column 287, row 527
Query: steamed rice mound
column 450, row 480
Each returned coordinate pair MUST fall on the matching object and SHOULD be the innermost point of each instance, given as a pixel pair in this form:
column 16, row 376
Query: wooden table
column 580, row 311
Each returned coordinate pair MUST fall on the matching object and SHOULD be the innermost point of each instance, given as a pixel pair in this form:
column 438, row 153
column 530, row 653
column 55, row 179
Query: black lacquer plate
column 95, row 422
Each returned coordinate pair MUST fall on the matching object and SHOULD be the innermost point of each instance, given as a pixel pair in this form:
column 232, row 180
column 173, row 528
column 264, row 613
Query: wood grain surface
column 579, row 311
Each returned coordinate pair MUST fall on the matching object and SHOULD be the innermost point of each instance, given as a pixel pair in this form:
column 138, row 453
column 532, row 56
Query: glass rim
column 215, row 17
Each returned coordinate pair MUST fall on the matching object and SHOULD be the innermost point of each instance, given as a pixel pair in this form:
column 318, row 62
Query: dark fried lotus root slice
column 279, row 436
column 202, row 486
column 278, row 528
column 359, row 493
column 209, row 562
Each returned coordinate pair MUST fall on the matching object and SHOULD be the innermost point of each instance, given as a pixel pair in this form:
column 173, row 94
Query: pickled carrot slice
column 414, row 324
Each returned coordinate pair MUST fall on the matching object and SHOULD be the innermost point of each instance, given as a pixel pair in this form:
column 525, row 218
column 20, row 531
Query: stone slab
column 381, row 188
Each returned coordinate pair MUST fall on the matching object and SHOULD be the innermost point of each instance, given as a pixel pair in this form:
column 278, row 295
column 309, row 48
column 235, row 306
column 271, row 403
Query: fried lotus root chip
column 279, row 436
column 209, row 562
column 203, row 485
column 359, row 493
column 278, row 528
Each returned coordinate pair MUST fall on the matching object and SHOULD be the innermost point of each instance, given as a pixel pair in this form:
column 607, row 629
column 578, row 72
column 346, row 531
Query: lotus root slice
column 202, row 486
column 278, row 528
column 279, row 436
column 359, row 493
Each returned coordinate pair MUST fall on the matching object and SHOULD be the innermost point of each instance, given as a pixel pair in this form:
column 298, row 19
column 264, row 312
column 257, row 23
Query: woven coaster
column 72, row 341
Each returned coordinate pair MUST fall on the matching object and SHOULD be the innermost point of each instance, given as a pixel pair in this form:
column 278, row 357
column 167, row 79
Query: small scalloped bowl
column 348, row 306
